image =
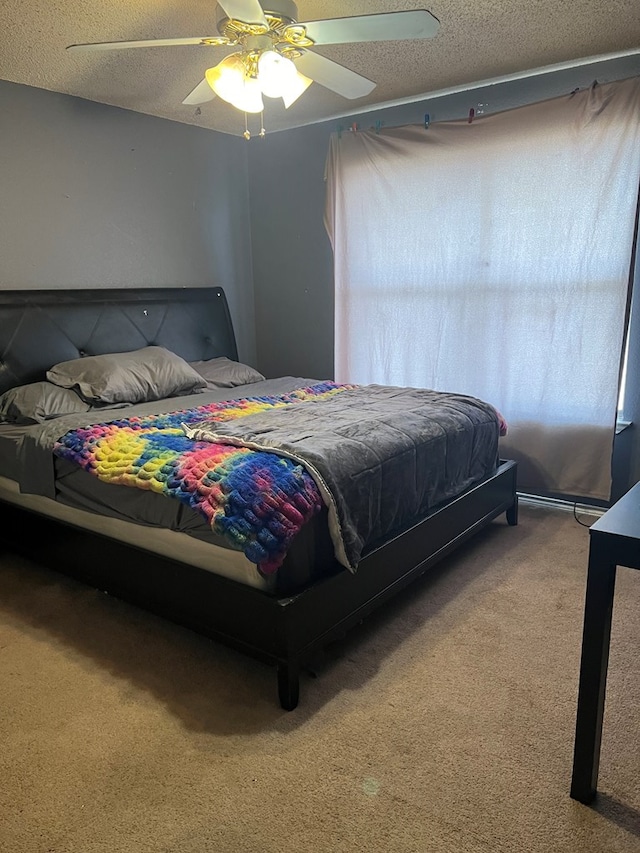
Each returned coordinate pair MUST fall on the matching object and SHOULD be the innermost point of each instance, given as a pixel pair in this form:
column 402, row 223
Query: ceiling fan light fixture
column 284, row 48
column 230, row 81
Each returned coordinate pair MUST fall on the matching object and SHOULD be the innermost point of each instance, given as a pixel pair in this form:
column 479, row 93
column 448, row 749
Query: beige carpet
column 445, row 723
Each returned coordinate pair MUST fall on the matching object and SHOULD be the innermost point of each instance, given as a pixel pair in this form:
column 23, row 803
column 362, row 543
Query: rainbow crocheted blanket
column 256, row 500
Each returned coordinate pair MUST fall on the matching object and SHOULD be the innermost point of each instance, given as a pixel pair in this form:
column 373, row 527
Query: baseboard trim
column 566, row 506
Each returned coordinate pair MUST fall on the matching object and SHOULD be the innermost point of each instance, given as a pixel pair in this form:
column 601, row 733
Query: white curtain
column 492, row 258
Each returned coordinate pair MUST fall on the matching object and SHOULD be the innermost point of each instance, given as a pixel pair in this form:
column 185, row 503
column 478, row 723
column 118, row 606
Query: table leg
column 593, row 669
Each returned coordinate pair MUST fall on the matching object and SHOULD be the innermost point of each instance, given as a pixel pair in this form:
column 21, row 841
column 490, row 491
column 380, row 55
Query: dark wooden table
column 614, row 541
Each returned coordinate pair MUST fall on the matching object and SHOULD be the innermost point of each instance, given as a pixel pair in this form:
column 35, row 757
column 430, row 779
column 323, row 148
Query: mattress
column 170, row 543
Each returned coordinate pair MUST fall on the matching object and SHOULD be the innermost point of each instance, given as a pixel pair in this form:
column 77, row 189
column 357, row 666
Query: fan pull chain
column 247, row 132
column 262, row 130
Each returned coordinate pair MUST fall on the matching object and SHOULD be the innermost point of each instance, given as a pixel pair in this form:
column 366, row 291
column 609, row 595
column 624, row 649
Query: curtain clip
column 378, row 126
column 472, row 112
column 427, row 121
column 339, row 131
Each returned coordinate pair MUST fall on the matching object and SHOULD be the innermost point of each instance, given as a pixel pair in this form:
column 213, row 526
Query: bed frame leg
column 512, row 513
column 288, row 685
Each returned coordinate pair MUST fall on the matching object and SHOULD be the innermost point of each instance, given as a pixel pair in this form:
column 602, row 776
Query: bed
column 353, row 524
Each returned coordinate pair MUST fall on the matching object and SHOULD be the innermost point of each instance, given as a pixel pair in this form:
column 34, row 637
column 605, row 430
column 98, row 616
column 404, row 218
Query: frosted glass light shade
column 296, row 87
column 275, row 73
column 229, row 81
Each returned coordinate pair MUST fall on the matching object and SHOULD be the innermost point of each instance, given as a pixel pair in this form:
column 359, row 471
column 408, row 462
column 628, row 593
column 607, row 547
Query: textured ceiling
column 478, row 40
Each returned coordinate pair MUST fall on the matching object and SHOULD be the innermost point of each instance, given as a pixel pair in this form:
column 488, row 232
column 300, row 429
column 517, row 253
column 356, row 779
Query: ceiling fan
column 275, row 56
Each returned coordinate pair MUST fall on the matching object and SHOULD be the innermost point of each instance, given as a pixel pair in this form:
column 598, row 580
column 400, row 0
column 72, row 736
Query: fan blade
column 333, row 76
column 387, row 26
column 200, row 95
column 207, row 41
column 247, row 11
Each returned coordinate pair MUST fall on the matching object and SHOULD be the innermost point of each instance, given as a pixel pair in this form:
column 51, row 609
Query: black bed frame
column 282, row 631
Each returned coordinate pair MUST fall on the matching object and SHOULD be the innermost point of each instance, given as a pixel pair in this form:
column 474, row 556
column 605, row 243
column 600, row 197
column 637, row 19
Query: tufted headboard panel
column 39, row 328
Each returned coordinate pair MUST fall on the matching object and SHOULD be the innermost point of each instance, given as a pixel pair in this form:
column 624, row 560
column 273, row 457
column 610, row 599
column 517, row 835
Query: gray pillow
column 151, row 373
column 38, row 402
column 225, row 373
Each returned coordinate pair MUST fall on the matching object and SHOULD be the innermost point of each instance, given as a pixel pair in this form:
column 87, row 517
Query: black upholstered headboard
column 39, row 328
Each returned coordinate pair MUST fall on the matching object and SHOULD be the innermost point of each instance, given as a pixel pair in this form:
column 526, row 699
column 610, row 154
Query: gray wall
column 292, row 257
column 95, row 196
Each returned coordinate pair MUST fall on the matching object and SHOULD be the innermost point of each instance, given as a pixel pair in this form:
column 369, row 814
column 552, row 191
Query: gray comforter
column 381, row 456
